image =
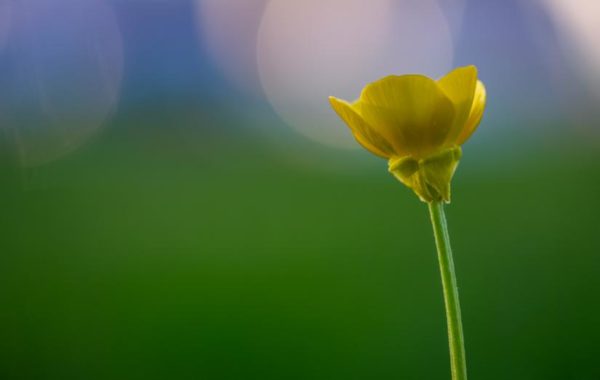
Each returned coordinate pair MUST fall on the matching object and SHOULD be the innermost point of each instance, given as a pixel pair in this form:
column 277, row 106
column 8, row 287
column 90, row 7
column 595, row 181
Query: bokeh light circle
column 308, row 50
column 64, row 69
column 454, row 10
column 578, row 24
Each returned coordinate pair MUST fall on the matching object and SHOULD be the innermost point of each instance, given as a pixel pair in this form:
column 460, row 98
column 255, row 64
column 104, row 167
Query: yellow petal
column 410, row 111
column 459, row 85
column 362, row 131
column 475, row 115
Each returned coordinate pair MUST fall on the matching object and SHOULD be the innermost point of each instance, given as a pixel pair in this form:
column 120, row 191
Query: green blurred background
column 196, row 236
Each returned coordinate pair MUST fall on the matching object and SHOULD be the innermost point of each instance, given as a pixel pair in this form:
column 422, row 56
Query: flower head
column 418, row 124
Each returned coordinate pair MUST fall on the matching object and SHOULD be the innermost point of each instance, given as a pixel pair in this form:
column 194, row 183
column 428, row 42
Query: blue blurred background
column 178, row 201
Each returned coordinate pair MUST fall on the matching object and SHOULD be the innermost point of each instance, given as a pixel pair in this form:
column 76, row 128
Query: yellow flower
column 418, row 124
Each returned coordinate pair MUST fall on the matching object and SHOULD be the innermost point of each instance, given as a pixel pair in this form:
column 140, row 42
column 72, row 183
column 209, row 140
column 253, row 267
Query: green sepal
column 430, row 177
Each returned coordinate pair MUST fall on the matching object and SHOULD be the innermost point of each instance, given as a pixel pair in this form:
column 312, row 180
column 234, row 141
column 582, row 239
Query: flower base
column 429, row 177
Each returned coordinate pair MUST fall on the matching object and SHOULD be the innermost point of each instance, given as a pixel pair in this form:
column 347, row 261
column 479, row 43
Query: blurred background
column 178, row 201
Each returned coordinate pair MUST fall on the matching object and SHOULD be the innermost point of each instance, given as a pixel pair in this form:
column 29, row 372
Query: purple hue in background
column 515, row 44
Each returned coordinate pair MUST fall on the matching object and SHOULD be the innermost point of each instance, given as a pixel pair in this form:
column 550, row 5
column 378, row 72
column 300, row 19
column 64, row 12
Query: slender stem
column 458, row 364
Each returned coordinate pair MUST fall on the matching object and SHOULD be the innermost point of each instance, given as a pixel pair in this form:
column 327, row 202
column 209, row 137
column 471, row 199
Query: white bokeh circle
column 578, row 24
column 308, row 50
column 65, row 59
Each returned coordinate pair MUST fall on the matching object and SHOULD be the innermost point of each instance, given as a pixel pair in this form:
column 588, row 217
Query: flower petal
column 362, row 131
column 410, row 111
column 459, row 85
column 475, row 115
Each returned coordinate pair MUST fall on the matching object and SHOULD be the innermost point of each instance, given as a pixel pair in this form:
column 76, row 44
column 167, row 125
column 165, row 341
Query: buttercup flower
column 418, row 124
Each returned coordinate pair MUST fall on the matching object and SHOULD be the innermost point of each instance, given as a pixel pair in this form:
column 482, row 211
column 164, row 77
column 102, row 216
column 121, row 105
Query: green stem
column 458, row 364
